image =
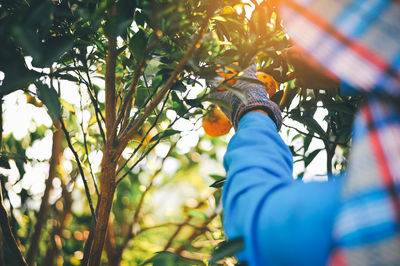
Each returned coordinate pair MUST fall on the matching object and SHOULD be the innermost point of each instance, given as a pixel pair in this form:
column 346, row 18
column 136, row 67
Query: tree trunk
column 107, row 182
column 110, row 248
column 44, row 206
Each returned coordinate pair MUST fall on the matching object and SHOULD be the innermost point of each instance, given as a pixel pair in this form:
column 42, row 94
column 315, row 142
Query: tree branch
column 198, row 231
column 317, row 137
column 143, row 155
column 111, row 61
column 94, row 100
column 143, row 138
column 124, row 111
column 87, row 154
column 128, row 133
column 68, row 138
column 179, row 228
column 96, row 108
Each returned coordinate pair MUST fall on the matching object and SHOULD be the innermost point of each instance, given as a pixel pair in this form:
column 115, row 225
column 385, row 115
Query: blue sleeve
column 282, row 221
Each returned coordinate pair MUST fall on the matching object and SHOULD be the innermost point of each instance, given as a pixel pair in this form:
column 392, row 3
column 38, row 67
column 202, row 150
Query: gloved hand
column 257, row 99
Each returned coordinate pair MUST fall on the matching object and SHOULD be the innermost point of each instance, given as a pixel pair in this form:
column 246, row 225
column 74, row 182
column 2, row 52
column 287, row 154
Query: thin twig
column 144, row 137
column 144, row 154
column 317, row 137
column 94, row 101
column 199, row 230
column 87, row 153
column 130, row 132
column 179, row 228
column 139, row 68
column 148, row 99
column 80, row 168
column 93, row 96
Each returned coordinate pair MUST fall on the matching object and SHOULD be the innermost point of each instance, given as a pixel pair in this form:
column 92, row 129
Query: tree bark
column 44, row 206
column 107, row 182
column 111, row 153
column 110, row 247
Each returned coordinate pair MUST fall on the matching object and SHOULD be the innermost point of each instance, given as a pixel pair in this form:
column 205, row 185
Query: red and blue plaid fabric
column 359, row 41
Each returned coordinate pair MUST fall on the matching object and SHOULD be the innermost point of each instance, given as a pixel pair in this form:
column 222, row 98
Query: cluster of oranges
column 215, row 123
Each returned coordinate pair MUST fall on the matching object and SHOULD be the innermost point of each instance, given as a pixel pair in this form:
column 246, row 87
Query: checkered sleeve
column 366, row 230
column 357, row 40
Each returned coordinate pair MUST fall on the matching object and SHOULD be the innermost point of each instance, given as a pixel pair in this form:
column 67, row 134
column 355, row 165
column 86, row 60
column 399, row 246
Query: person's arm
column 282, row 221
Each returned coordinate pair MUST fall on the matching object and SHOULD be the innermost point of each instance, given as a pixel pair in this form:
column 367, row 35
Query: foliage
column 138, row 69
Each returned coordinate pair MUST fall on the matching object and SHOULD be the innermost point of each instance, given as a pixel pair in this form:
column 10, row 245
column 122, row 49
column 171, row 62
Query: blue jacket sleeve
column 282, row 221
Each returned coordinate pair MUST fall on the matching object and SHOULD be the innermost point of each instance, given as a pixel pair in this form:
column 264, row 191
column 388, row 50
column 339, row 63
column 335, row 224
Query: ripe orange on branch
column 228, row 75
column 270, row 83
column 215, row 123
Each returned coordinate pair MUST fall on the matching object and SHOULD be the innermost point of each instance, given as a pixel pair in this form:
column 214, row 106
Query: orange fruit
column 270, row 84
column 215, row 123
column 227, row 75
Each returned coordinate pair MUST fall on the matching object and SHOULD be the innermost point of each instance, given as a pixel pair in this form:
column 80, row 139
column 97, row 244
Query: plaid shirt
column 359, row 41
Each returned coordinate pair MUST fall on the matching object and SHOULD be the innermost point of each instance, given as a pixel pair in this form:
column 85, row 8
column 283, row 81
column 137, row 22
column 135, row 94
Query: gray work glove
column 256, row 95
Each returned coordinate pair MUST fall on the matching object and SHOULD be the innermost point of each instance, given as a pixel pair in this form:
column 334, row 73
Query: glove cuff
column 266, row 105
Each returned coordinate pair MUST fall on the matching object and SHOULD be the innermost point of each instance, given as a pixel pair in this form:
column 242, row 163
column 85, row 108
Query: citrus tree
column 139, row 69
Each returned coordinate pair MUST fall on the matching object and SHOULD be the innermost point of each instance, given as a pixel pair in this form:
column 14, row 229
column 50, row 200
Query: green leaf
column 138, row 44
column 218, row 184
column 341, row 108
column 179, row 86
column 198, row 214
column 311, row 124
column 251, row 80
column 141, row 95
column 55, row 48
column 194, row 102
column 308, row 159
column 219, row 102
column 165, row 134
column 217, row 177
column 67, row 77
column 227, row 249
column 49, row 97
column 140, row 18
column 68, row 106
column 4, row 162
column 307, row 141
